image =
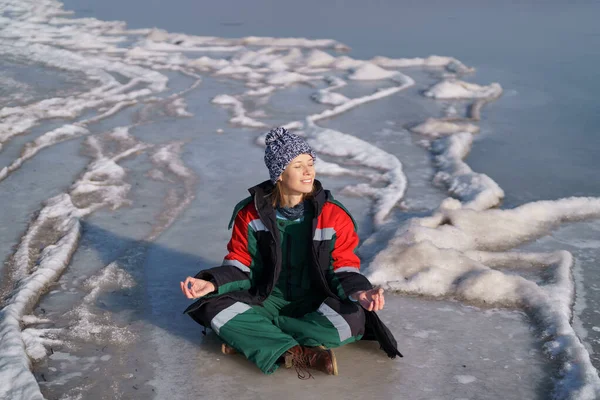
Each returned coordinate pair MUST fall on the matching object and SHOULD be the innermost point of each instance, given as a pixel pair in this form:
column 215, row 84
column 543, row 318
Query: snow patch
column 368, row 72
column 456, row 89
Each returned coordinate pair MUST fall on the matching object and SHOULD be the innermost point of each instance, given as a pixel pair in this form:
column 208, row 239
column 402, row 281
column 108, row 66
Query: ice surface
column 239, row 113
column 435, row 127
column 405, row 82
column 462, row 250
column 458, row 253
column 449, row 63
column 56, row 230
column 334, row 99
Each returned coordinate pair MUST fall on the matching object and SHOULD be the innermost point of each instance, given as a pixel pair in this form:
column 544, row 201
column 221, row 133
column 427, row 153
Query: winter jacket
column 295, row 283
column 253, row 264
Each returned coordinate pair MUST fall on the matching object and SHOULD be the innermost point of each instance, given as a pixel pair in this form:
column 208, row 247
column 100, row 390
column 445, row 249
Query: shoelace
column 301, row 367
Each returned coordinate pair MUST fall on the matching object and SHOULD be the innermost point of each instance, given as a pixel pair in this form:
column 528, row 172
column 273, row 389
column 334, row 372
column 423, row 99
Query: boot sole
column 334, row 362
column 333, row 359
column 227, row 350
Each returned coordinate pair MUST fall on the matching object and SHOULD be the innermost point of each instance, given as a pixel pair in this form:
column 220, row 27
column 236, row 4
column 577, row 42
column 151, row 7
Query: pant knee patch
column 348, row 318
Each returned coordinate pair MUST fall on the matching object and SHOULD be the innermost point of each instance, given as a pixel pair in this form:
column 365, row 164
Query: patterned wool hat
column 282, row 147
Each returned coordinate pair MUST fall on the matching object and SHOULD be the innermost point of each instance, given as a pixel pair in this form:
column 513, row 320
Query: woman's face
column 298, row 176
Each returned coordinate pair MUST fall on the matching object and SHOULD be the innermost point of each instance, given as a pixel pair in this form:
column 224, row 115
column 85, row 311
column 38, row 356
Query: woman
column 290, row 287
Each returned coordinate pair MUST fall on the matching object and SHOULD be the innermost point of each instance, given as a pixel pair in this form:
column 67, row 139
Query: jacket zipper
column 288, row 246
column 265, row 221
column 317, row 265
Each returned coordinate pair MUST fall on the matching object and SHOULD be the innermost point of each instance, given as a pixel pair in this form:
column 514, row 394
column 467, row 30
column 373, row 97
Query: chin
column 304, row 189
column 308, row 187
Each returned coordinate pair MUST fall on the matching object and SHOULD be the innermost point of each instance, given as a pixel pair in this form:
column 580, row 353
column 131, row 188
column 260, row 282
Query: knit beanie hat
column 282, row 147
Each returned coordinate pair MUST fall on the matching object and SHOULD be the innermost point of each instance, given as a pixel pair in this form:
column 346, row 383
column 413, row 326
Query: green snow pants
column 263, row 333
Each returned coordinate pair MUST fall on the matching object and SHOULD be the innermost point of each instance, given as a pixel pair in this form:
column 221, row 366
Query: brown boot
column 227, row 349
column 317, row 358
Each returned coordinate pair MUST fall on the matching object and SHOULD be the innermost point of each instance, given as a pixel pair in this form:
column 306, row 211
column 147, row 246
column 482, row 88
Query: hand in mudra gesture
column 193, row 288
column 370, row 300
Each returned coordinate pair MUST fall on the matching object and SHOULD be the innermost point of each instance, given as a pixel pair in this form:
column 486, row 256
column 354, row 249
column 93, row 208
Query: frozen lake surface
column 123, row 149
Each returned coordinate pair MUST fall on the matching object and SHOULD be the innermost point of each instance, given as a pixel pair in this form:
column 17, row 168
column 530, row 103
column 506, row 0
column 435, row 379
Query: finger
column 358, row 295
column 374, row 292
column 377, row 302
column 370, row 306
column 364, row 303
column 382, row 301
column 184, row 290
column 195, row 288
column 186, row 285
column 362, row 296
column 187, row 281
column 377, row 297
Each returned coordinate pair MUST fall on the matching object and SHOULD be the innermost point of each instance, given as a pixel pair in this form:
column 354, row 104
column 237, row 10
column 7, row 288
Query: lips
column 307, row 181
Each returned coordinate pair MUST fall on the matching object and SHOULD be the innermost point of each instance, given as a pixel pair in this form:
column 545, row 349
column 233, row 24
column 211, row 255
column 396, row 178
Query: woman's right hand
column 193, row 288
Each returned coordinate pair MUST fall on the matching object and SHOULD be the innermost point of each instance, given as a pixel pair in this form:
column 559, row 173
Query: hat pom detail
column 275, row 134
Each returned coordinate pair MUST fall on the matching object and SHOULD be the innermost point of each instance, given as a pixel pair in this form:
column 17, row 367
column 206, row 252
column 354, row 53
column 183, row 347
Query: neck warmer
column 292, row 213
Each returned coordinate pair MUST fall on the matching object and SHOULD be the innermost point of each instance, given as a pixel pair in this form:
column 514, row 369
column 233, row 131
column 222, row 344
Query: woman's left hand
column 370, row 300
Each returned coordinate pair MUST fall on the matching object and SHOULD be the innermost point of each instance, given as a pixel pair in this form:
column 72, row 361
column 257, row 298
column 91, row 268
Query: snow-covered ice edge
column 39, row 31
